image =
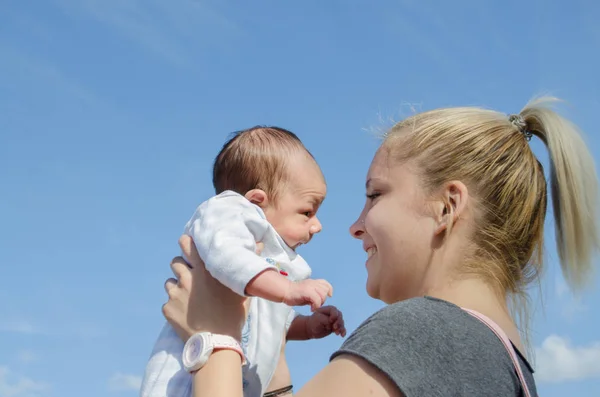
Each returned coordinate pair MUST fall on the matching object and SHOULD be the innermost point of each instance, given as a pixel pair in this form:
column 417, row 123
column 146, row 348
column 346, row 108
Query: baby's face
column 295, row 215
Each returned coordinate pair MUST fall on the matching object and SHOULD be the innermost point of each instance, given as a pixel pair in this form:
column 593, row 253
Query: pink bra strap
column 507, row 344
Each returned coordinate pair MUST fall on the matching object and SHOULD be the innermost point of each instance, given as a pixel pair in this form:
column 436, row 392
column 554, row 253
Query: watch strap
column 224, row 342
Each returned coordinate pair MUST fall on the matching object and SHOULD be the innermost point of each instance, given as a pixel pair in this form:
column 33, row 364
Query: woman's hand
column 197, row 302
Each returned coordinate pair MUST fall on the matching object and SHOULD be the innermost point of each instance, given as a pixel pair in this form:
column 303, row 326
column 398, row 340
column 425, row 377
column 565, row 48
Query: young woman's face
column 396, row 231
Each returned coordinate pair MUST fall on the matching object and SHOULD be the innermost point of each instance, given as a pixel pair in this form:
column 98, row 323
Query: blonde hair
column 255, row 158
column 490, row 153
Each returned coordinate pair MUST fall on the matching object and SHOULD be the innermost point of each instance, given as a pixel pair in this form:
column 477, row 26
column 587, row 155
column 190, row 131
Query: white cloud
column 13, row 385
column 79, row 330
column 570, row 305
column 19, row 327
column 121, row 381
column 27, row 356
column 172, row 30
column 560, row 287
column 559, row 361
column 28, row 70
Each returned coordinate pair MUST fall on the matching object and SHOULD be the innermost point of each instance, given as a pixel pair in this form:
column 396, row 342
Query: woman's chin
column 372, row 290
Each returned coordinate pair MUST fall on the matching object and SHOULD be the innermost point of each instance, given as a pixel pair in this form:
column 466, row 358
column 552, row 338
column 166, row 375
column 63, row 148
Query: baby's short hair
column 255, row 158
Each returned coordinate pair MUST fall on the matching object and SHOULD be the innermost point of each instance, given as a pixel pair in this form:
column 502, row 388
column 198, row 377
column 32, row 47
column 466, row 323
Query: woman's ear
column 258, row 197
column 452, row 204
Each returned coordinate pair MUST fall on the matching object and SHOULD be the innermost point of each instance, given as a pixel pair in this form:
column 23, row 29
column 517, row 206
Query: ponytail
column 574, row 189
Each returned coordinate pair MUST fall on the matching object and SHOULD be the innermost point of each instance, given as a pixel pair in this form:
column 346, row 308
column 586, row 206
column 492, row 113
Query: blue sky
column 112, row 111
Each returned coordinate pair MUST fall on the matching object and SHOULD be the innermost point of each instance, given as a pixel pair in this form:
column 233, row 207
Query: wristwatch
column 200, row 346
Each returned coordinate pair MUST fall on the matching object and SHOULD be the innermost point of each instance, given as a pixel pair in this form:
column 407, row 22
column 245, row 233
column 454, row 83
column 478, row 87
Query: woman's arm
column 221, row 376
column 349, row 376
column 345, row 376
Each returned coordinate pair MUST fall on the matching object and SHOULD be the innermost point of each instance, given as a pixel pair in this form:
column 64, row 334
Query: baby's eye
column 308, row 214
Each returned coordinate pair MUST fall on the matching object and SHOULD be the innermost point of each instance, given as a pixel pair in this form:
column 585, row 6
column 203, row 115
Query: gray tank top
column 430, row 347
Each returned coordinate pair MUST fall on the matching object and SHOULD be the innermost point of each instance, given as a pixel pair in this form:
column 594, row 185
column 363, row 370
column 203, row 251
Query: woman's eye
column 373, row 196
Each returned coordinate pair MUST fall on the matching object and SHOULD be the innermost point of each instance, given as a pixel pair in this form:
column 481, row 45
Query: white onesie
column 225, row 229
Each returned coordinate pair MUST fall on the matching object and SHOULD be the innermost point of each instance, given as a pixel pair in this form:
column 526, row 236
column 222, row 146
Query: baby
column 269, row 189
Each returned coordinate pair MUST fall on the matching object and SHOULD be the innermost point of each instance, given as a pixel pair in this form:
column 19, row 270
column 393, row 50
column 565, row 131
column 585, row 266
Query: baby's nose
column 316, row 227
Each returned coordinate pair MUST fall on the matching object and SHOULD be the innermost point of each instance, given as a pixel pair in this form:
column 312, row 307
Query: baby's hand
column 308, row 292
column 324, row 321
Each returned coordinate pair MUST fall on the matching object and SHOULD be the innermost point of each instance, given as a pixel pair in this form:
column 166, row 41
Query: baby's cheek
column 285, row 234
column 292, row 235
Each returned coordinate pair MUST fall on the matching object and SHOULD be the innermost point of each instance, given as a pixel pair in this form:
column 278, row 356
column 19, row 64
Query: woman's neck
column 475, row 294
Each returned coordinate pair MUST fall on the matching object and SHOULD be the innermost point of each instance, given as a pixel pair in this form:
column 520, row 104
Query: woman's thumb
column 259, row 247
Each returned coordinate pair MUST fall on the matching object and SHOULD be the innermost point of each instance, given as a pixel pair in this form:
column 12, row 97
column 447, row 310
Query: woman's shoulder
column 426, row 344
column 417, row 313
column 422, row 307
column 426, row 323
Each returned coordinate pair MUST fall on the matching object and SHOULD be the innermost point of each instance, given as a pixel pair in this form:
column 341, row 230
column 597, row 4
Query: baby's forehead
column 304, row 164
column 304, row 176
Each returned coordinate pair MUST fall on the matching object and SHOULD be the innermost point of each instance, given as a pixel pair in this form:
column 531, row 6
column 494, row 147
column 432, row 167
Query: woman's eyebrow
column 370, row 182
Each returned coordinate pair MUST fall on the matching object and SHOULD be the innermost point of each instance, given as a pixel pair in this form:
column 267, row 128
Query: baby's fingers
column 316, row 299
column 333, row 313
column 322, row 294
column 338, row 325
column 326, row 287
column 339, row 329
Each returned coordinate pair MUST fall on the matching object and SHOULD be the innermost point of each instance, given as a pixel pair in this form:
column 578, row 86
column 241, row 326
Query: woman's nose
column 357, row 229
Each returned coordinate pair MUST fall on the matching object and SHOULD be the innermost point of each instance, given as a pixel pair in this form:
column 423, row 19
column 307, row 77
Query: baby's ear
column 258, row 197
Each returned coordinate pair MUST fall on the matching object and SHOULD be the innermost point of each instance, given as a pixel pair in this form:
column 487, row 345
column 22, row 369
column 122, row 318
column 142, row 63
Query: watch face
column 195, row 348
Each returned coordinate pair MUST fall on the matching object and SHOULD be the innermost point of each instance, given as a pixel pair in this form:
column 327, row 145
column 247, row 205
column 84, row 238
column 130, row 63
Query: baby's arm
column 268, row 285
column 321, row 323
column 298, row 329
column 301, row 327
column 225, row 230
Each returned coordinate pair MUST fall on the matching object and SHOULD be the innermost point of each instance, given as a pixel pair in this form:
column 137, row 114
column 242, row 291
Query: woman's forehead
column 380, row 165
column 384, row 169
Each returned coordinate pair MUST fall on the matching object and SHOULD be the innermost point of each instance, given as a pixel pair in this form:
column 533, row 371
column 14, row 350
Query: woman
column 453, row 230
